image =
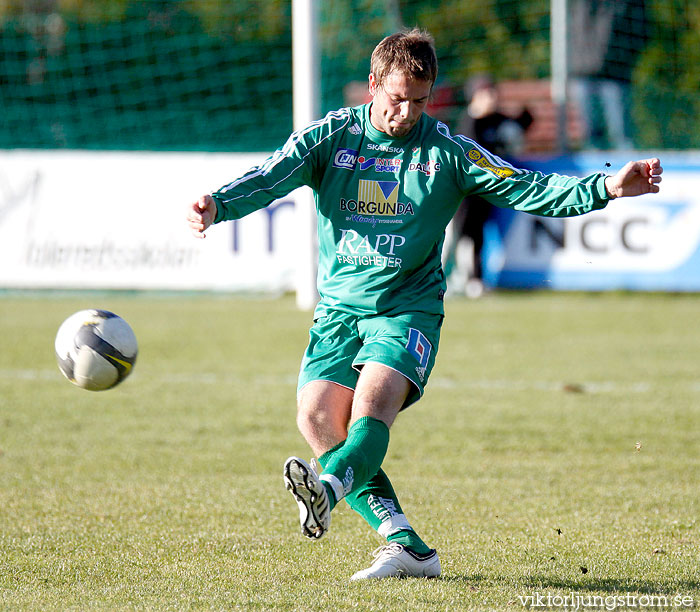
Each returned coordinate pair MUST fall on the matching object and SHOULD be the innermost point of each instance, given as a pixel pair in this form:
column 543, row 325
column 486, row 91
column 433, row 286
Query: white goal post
column 306, row 83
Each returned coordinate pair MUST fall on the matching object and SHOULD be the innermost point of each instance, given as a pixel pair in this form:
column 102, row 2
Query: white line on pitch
column 440, row 382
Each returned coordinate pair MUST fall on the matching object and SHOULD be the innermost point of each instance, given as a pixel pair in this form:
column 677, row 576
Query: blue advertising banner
column 649, row 243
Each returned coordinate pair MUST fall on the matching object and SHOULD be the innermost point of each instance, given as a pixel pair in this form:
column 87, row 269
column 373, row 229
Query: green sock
column 410, row 540
column 377, row 503
column 349, row 465
column 323, row 460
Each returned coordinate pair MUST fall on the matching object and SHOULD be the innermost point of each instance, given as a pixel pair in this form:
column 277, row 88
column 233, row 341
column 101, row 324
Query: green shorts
column 341, row 343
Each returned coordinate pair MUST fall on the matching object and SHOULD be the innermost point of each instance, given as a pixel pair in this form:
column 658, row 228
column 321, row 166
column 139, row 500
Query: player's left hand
column 635, row 178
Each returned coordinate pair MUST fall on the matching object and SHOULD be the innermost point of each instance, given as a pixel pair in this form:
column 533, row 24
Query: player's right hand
column 201, row 215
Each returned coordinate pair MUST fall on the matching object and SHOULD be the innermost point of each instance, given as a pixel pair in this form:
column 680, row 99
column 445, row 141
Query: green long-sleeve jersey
column 383, row 204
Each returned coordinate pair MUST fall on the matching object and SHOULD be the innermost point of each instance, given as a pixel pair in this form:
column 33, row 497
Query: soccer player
column 387, row 179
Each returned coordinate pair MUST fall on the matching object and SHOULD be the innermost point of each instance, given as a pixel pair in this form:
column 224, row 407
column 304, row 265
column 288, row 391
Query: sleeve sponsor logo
column 480, row 160
column 345, row 158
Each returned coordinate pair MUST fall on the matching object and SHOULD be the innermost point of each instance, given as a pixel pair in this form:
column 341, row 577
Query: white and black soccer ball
column 95, row 349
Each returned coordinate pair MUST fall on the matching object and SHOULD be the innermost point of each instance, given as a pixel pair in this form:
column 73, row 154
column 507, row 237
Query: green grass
column 559, row 432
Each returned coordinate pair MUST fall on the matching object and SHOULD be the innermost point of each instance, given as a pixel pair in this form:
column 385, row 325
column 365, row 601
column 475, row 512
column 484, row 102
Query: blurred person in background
column 483, row 122
column 606, row 38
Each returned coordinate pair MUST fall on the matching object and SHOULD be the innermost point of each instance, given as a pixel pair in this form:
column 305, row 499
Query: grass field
column 556, row 453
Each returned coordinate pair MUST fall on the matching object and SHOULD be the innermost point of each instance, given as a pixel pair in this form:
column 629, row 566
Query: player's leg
column 381, row 392
column 406, row 345
column 379, row 396
column 379, row 505
column 323, row 412
column 327, row 403
column 326, row 388
column 352, row 469
column 324, row 409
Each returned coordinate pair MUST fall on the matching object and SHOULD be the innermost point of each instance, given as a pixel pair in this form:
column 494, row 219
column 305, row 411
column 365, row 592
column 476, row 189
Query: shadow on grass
column 590, row 585
column 669, row 586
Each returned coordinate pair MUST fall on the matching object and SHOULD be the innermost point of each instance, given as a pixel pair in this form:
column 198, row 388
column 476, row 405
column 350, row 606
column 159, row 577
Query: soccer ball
column 95, row 349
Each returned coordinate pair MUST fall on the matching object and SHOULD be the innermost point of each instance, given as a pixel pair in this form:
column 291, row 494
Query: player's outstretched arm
column 201, row 215
column 635, row 178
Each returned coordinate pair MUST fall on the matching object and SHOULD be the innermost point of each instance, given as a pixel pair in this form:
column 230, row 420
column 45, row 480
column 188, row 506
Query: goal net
column 216, row 75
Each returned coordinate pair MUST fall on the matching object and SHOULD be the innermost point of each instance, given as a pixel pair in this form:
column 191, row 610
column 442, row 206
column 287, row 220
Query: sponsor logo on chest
column 350, row 159
column 379, row 164
column 345, row 158
column 428, row 168
column 377, row 198
column 384, row 148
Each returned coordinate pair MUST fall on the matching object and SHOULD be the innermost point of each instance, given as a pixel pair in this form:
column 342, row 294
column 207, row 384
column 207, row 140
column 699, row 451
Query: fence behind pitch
column 214, row 75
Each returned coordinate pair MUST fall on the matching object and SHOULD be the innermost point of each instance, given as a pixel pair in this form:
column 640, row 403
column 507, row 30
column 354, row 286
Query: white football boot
column 395, row 560
column 304, row 484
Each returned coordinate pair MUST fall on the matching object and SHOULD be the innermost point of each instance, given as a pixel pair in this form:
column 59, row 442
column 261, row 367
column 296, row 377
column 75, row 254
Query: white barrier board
column 117, row 220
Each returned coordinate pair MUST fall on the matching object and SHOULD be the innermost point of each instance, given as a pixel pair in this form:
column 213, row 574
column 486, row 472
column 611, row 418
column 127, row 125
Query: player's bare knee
column 381, row 402
column 312, row 419
column 306, row 419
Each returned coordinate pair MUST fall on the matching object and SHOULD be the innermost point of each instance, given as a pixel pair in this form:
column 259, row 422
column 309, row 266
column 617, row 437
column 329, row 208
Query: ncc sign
column 648, row 243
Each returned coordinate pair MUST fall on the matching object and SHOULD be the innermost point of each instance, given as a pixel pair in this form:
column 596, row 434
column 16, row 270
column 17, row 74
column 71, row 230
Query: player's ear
column 372, row 84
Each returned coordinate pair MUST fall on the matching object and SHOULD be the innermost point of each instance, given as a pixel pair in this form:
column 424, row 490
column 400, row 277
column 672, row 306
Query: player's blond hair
column 410, row 52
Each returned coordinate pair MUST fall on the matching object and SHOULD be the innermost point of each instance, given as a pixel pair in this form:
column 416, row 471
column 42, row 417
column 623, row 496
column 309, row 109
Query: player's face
column 397, row 103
